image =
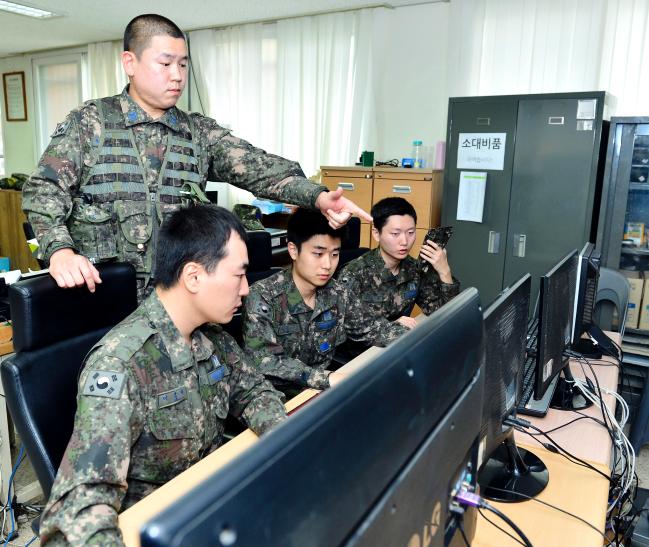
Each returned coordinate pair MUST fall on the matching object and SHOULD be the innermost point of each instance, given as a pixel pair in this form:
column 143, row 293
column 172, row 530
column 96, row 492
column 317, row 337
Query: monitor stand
column 567, row 396
column 519, row 472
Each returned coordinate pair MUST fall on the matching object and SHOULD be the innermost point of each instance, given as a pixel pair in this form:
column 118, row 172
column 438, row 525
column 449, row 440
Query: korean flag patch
column 104, row 383
column 60, row 129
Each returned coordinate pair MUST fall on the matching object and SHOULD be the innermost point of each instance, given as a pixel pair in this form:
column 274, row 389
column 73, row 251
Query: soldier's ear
column 375, row 234
column 128, row 62
column 292, row 250
column 190, row 277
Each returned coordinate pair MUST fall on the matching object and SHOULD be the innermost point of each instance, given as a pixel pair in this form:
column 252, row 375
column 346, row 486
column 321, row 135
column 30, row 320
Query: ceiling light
column 21, row 9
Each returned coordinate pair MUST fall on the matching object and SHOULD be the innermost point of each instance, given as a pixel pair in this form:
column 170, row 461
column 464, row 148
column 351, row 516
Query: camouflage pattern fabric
column 148, row 408
column 392, row 296
column 111, row 174
column 293, row 344
column 249, row 215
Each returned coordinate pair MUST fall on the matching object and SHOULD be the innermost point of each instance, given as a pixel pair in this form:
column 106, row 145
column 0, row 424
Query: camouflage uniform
column 111, row 174
column 392, row 296
column 148, row 408
column 293, row 344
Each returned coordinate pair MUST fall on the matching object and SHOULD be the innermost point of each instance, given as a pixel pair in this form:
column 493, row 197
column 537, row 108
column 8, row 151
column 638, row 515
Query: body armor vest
column 117, row 212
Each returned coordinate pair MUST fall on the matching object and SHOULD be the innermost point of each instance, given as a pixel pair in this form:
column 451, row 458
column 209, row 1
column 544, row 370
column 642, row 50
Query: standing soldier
column 295, row 319
column 118, row 166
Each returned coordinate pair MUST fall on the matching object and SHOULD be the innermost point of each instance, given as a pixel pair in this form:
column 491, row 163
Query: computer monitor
column 556, row 298
column 587, row 278
column 373, row 461
column 507, row 471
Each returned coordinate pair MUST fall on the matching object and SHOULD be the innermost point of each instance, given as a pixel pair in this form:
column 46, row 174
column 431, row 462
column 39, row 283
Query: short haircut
column 304, row 224
column 141, row 29
column 384, row 209
column 194, row 234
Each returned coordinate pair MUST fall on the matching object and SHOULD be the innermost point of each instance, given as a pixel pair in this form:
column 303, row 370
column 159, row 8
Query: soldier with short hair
column 118, row 166
column 155, row 391
column 390, row 282
column 295, row 319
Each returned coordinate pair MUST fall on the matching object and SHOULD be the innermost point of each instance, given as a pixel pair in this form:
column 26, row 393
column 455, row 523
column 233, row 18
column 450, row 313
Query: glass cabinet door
column 634, row 253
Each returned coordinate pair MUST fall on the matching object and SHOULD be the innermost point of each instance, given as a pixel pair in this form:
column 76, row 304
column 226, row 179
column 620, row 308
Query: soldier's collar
column 134, row 114
column 294, row 299
column 180, row 354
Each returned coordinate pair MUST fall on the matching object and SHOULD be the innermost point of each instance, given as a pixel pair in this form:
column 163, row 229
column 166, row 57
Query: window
column 60, row 85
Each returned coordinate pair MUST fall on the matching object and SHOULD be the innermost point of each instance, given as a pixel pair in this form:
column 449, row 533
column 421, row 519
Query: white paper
column 586, row 109
column 481, row 151
column 470, row 200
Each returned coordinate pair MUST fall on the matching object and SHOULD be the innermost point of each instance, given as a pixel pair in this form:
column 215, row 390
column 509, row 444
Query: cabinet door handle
column 519, row 245
column 493, row 247
column 346, row 185
column 401, row 189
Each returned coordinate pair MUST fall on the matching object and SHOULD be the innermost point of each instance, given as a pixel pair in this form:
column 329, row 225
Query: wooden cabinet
column 12, row 238
column 366, row 186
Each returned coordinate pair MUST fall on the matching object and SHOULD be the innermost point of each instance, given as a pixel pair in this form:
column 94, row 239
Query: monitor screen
column 505, row 337
column 587, row 278
column 372, row 461
column 556, row 298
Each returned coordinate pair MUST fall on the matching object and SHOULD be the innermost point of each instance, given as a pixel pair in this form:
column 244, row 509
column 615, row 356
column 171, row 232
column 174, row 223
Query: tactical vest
column 116, row 214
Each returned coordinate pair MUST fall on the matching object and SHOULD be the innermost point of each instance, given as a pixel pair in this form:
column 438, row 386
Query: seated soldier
column 155, row 391
column 294, row 320
column 390, row 282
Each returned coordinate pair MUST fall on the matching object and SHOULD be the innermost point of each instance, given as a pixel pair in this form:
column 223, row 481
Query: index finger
column 88, row 275
column 360, row 213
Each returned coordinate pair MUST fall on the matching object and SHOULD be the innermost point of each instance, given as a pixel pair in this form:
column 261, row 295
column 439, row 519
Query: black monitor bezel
column 588, row 266
column 546, row 323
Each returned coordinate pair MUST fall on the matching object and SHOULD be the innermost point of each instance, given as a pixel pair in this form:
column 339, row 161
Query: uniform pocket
column 92, row 228
column 176, row 421
column 135, row 229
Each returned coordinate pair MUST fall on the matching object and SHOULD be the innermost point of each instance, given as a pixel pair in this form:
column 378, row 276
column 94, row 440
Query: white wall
column 412, row 96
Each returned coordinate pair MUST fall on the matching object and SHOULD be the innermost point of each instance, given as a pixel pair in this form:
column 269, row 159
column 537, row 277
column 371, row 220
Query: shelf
column 642, row 186
column 641, row 332
column 638, row 251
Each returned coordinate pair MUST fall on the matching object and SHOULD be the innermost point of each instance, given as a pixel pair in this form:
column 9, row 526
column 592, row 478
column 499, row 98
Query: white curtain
column 107, row 77
column 300, row 87
column 624, row 67
column 538, row 46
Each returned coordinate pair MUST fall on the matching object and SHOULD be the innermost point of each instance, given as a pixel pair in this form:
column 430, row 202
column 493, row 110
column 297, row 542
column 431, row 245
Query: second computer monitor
column 556, row 298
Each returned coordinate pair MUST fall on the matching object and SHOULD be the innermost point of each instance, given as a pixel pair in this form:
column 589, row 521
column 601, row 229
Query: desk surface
column 585, row 439
column 577, row 490
column 132, row 519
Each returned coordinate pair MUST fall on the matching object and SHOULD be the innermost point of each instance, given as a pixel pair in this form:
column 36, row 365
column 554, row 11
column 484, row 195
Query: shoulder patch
column 104, row 383
column 61, row 129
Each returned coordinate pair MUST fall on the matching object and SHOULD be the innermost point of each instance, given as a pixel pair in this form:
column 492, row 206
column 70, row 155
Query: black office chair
column 53, row 329
column 260, row 260
column 350, row 246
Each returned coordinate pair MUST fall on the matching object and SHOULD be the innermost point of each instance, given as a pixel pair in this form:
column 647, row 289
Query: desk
column 132, row 519
column 573, row 488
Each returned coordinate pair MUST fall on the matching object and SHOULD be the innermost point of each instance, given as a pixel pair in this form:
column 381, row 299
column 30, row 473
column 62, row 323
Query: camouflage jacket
column 148, row 407
column 392, row 296
column 293, row 344
column 111, row 174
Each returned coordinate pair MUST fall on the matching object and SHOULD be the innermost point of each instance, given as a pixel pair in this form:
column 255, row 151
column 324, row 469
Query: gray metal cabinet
column 543, row 203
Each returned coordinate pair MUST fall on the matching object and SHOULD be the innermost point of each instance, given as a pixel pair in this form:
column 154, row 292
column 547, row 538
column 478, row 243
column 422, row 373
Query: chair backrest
column 612, row 296
column 260, row 256
column 53, row 330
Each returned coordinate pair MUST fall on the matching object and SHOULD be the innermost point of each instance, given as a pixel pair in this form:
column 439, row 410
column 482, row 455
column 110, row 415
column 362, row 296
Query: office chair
column 612, row 297
column 350, row 247
column 53, row 329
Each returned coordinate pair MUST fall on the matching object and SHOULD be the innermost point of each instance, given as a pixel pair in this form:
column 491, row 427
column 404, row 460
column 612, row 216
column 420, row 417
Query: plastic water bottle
column 418, row 155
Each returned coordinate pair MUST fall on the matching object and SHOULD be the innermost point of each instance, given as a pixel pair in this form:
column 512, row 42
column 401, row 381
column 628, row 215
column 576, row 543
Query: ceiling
column 87, row 21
